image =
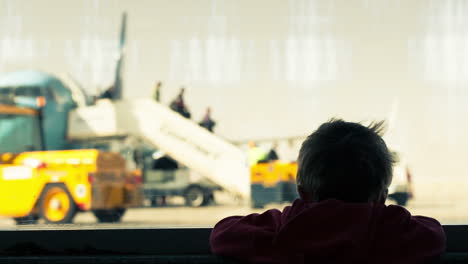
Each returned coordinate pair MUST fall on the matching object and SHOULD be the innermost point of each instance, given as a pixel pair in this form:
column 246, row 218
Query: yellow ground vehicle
column 275, row 182
column 55, row 185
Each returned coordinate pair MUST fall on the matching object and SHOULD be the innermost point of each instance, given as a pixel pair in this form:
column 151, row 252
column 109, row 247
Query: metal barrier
column 143, row 246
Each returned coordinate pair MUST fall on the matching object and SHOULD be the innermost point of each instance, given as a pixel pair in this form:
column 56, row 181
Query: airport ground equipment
column 197, row 191
column 55, row 185
column 23, row 88
column 68, row 116
column 275, row 182
column 182, row 139
column 162, row 176
column 20, row 129
column 68, row 109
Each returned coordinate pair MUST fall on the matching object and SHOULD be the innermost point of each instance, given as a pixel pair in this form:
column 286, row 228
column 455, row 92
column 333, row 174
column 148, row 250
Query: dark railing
column 187, row 245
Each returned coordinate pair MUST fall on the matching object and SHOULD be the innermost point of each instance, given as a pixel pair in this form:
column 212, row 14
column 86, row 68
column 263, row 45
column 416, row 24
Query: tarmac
column 176, row 214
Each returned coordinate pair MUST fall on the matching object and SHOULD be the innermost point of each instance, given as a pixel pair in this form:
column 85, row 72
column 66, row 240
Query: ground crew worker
column 255, row 154
column 157, row 92
column 272, row 154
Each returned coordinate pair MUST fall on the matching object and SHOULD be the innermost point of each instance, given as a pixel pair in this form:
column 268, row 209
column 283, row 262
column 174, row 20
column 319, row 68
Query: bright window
column 270, row 72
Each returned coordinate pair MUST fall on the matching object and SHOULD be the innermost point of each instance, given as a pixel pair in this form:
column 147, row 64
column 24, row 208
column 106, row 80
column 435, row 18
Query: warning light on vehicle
column 41, row 101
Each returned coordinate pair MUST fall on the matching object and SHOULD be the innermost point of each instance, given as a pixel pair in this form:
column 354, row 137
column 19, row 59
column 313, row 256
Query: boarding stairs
column 181, row 138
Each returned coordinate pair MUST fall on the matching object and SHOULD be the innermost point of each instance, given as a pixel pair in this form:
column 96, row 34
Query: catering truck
column 163, row 177
column 56, row 184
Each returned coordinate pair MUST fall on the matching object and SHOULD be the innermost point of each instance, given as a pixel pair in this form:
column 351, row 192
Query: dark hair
column 345, row 161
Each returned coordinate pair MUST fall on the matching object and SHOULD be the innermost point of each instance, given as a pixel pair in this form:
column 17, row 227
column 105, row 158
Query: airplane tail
column 120, row 61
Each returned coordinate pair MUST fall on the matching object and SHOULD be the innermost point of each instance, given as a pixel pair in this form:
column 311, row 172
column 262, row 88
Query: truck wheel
column 195, row 196
column 109, row 216
column 256, row 205
column 56, row 205
column 27, row 220
column 154, row 201
column 208, row 199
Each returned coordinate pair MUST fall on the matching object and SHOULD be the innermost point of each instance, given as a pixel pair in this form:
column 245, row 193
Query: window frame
column 68, row 241
column 121, row 241
column 35, row 89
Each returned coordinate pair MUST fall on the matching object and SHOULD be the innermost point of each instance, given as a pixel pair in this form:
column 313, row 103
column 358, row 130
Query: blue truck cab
column 45, row 93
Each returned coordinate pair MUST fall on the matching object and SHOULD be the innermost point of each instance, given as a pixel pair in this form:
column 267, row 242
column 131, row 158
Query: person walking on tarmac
column 272, row 154
column 178, row 104
column 255, row 154
column 207, row 122
column 157, row 92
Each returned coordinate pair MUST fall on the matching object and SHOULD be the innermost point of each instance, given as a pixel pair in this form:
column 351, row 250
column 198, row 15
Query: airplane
column 70, row 118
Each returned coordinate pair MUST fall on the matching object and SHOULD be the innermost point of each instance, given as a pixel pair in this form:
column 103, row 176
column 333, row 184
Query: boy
column 344, row 170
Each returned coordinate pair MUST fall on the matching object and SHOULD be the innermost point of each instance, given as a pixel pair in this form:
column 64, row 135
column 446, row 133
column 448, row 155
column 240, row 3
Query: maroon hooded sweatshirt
column 330, row 231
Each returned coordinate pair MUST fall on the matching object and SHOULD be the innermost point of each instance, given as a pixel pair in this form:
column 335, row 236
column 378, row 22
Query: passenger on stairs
column 178, row 104
column 207, row 122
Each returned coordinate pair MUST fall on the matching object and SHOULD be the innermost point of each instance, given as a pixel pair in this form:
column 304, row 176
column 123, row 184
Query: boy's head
column 345, row 161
